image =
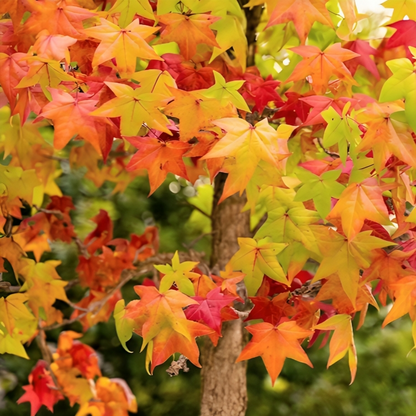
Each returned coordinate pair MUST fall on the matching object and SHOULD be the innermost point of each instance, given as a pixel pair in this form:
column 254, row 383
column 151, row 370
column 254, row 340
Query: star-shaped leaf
column 179, row 273
column 274, row 344
column 227, row 91
column 135, row 108
column 125, row 45
column 256, row 259
column 188, row 30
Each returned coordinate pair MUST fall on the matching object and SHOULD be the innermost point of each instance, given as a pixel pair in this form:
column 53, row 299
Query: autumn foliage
column 321, row 144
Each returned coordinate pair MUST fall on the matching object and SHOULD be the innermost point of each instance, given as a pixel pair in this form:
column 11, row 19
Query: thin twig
column 198, row 209
column 334, row 155
column 55, row 212
column 47, row 357
column 6, row 287
column 81, row 247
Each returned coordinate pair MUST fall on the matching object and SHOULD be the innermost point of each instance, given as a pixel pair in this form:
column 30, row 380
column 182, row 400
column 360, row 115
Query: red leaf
column 41, row 390
column 209, row 309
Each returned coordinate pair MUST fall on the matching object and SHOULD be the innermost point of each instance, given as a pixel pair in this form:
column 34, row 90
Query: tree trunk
column 224, row 382
column 224, row 390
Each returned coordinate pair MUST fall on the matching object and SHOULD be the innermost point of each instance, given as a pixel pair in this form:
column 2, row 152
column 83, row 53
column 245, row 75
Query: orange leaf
column 274, row 344
column 358, row 202
column 159, row 158
column 195, row 112
column 188, row 31
column 321, row 66
column 303, row 14
column 126, row 45
column 404, row 299
column 342, row 341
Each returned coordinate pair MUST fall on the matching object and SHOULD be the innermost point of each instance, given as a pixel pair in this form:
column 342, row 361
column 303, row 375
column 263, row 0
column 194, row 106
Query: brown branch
column 196, row 208
column 47, row 357
column 253, row 16
column 6, row 287
column 81, row 247
column 55, row 212
column 334, row 155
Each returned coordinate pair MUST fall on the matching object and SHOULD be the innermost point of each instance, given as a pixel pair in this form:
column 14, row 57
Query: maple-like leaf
column 16, row 183
column 15, row 8
column 33, row 235
column 41, row 389
column 346, row 258
column 271, row 310
column 155, row 81
column 112, row 397
column 303, row 13
column 288, row 222
column 195, row 112
column 404, row 36
column 159, row 157
column 161, row 322
column 125, row 45
column 179, row 273
column 319, row 103
column 342, row 341
column 364, row 49
column 342, row 130
column 404, row 299
column 188, row 31
column 61, row 17
column 332, row 289
column 401, row 8
column 386, row 136
column 319, row 188
column 71, row 116
column 11, row 251
column 227, row 91
column 46, row 73
column 134, row 108
column 129, row 8
column 294, row 110
column 259, row 92
column 402, row 84
column 73, row 354
column 12, row 70
column 53, row 47
column 274, row 344
column 209, row 309
column 178, row 336
column 257, row 258
column 102, row 234
column 358, row 202
column 247, row 145
column 322, row 65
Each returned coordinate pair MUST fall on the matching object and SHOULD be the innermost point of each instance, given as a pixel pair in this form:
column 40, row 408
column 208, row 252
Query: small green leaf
column 124, row 326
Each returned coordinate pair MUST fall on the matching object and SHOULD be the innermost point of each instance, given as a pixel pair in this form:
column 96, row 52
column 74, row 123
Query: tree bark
column 224, row 382
column 224, row 390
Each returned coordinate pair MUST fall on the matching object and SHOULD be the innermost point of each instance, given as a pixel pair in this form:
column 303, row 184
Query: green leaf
column 320, row 189
column 402, row 85
column 227, row 91
column 342, row 130
column 179, row 273
column 124, row 326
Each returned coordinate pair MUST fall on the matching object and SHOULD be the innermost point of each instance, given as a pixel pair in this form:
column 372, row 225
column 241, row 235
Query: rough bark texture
column 224, row 390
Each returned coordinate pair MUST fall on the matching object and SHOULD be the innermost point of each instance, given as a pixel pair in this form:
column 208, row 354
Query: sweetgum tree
column 302, row 115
